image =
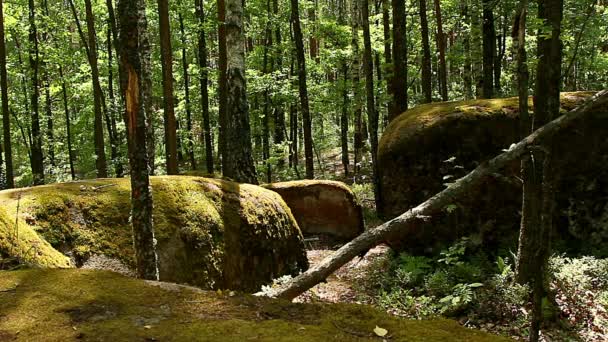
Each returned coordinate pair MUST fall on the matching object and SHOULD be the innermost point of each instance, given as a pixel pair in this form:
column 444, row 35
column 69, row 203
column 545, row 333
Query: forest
column 223, row 170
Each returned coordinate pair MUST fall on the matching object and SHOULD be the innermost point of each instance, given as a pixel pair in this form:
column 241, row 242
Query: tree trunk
column 344, row 119
column 238, row 160
column 441, row 41
column 133, row 45
column 279, row 114
column 535, row 241
column 356, row 86
column 185, row 66
column 37, row 158
column 399, row 59
column 6, row 119
column 415, row 219
column 468, row 69
column 48, row 108
column 168, row 104
column 100, row 155
column 222, row 77
column 388, row 59
column 266, row 120
column 304, row 106
column 204, row 82
column 372, row 114
column 489, row 49
column 68, row 124
column 426, row 77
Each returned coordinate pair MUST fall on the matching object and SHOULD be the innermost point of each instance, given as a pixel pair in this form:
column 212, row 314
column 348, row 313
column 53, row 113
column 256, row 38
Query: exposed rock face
column 210, row 233
column 434, row 144
column 325, row 207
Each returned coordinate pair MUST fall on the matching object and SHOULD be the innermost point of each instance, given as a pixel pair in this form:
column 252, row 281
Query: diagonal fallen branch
column 413, row 218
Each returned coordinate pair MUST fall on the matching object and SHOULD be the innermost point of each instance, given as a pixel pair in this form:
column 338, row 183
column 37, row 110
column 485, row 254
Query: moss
column 96, row 305
column 413, row 121
column 432, row 145
column 206, row 228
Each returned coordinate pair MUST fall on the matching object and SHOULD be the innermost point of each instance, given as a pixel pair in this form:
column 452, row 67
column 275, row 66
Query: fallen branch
column 412, row 219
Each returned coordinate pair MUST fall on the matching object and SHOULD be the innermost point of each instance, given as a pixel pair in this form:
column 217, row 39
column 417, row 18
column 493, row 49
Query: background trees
column 314, row 114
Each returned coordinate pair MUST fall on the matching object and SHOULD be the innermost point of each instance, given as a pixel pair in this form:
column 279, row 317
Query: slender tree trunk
column 441, row 41
column 37, row 159
column 372, row 114
column 388, row 59
column 168, row 100
column 222, row 77
column 238, row 160
column 115, row 139
column 100, row 161
column 204, row 82
column 356, row 86
column 489, row 49
column 293, row 123
column 426, row 80
column 304, row 106
column 185, row 66
column 344, row 119
column 535, row 241
column 399, row 59
column 48, row 107
column 133, row 45
column 279, row 113
column 68, row 124
column 6, row 119
column 468, row 69
column 266, row 120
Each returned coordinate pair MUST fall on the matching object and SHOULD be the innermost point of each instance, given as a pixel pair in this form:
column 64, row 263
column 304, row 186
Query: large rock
column 434, row 144
column 210, row 233
column 322, row 207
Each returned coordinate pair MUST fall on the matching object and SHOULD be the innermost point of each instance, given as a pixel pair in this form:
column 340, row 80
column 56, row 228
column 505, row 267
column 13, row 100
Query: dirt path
column 346, row 284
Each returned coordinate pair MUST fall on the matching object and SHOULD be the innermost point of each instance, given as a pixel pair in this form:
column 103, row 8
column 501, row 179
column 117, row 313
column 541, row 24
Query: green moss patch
column 210, row 233
column 60, row 305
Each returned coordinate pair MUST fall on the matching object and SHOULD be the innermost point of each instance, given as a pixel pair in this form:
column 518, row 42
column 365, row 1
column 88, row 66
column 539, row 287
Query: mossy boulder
column 322, row 207
column 210, row 233
column 431, row 145
column 67, row 305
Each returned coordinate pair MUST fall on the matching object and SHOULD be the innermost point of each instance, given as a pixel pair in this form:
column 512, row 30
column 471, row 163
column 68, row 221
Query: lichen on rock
column 210, row 233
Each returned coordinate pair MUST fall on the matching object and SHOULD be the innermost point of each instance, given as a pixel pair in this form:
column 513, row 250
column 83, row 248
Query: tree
column 372, row 114
column 6, row 119
column 427, row 85
column 399, row 80
column 441, row 41
column 489, row 49
column 303, row 90
column 168, row 105
column 204, row 82
column 537, row 221
column 185, row 66
column 237, row 157
column 133, row 41
column 37, row 158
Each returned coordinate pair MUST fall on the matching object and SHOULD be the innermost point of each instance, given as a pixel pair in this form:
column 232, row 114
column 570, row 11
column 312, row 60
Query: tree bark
column 133, row 45
column 37, row 158
column 489, row 49
column 304, row 105
column 388, row 59
column 266, row 69
column 441, row 41
column 426, row 77
column 168, row 99
column 6, row 119
column 68, row 124
column 100, row 155
column 358, row 141
column 414, row 219
column 399, row 59
column 238, row 160
column 468, row 69
column 185, row 66
column 279, row 113
column 372, row 114
column 204, row 82
column 222, row 77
